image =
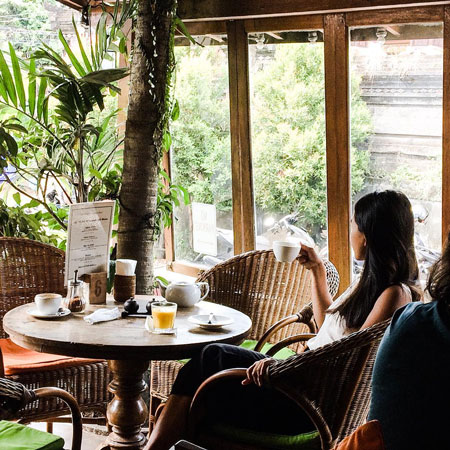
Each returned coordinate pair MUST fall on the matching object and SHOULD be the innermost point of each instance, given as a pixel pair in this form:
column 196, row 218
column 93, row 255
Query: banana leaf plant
column 50, row 130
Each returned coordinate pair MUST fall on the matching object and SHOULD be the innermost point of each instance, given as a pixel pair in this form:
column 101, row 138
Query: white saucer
column 35, row 313
column 217, row 321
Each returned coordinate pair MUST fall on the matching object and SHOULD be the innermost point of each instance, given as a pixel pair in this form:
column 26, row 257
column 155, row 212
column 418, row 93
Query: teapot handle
column 203, row 283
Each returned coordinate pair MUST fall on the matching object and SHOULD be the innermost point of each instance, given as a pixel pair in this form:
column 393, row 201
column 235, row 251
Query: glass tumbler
column 163, row 314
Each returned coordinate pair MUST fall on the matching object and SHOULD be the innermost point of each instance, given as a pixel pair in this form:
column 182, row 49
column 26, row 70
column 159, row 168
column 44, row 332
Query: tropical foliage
column 50, row 133
column 21, row 222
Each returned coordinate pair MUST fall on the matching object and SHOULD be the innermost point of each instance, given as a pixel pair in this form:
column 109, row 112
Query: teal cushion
column 14, row 436
column 250, row 344
column 304, row 441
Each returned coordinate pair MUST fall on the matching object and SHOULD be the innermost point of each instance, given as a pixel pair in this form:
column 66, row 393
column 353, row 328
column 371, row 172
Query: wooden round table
column 128, row 347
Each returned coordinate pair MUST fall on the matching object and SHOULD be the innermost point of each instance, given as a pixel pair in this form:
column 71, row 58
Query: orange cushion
column 18, row 360
column 365, row 437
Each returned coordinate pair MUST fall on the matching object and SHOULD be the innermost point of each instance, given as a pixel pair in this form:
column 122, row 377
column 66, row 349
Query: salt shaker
column 75, row 300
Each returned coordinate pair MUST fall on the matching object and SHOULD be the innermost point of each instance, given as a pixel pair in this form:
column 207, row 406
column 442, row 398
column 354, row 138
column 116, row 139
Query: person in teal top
column 410, row 386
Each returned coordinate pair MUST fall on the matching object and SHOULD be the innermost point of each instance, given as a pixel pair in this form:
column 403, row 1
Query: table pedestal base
column 127, row 411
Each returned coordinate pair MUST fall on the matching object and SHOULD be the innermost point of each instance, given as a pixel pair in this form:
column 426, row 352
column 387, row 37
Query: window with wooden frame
column 343, row 35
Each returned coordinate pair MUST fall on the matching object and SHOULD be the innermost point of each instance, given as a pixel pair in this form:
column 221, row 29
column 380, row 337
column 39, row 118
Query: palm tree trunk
column 143, row 136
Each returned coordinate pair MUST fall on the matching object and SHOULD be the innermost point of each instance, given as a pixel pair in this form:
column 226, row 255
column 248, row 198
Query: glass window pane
column 201, row 156
column 288, row 136
column 397, row 70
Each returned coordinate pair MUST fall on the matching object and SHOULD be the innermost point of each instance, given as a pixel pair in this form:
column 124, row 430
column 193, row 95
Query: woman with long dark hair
column 382, row 234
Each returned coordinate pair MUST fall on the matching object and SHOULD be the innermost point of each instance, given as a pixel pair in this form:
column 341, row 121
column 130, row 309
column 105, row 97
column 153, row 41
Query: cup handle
column 203, row 283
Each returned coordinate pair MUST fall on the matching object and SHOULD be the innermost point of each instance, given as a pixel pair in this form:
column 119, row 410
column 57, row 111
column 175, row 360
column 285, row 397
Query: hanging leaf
column 182, row 27
column 7, row 79
column 101, row 37
column 176, row 111
column 16, row 197
column 81, row 47
column 3, row 91
column 165, row 175
column 17, row 77
column 15, row 127
column 10, row 142
column 45, row 110
column 41, row 97
column 166, row 141
column 32, row 87
column 76, row 64
column 95, row 173
column 123, row 46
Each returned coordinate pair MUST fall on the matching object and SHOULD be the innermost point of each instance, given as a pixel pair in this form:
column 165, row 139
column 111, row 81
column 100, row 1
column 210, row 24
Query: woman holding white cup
column 382, row 234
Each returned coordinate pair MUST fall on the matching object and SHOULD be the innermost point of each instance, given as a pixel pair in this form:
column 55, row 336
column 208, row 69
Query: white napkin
column 125, row 266
column 103, row 315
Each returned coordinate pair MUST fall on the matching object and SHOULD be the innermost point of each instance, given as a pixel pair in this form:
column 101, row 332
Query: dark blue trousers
column 251, row 407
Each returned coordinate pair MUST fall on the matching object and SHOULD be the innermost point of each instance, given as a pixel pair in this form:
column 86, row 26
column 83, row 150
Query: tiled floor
column 91, row 441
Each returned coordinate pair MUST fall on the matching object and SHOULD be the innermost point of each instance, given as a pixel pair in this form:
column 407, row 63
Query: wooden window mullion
column 337, row 110
column 241, row 160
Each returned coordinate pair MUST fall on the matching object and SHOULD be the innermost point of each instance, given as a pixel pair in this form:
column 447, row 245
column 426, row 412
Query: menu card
column 88, row 237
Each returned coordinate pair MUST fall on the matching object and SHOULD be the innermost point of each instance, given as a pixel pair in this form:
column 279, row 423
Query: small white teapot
column 185, row 293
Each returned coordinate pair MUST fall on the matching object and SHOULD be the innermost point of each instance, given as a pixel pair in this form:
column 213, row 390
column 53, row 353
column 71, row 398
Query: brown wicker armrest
column 304, row 316
column 15, row 396
column 302, row 362
column 77, row 425
column 288, row 341
column 324, row 381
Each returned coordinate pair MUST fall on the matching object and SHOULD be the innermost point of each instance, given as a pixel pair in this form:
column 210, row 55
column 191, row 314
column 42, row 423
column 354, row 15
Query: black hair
column 387, row 222
column 438, row 284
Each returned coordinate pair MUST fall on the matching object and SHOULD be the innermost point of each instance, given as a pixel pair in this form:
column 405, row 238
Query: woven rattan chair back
column 27, row 268
column 256, row 284
column 332, row 383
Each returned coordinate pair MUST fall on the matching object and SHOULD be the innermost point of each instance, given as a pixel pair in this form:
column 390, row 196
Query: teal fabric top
column 14, row 436
column 410, row 384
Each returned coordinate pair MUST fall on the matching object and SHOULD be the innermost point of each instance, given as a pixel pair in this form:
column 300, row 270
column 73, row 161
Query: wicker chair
column 332, row 384
column 269, row 292
column 15, row 396
column 26, row 269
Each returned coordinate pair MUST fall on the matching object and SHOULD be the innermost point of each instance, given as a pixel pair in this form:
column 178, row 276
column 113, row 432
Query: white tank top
column 333, row 327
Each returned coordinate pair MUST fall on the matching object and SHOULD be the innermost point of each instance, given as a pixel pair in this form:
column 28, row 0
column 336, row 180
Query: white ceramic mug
column 286, row 251
column 48, row 303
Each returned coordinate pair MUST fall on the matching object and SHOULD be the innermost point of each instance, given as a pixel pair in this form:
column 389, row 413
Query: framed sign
column 204, row 231
column 88, row 237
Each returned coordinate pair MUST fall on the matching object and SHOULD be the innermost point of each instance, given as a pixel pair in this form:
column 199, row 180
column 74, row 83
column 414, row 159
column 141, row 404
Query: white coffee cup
column 48, row 303
column 125, row 266
column 286, row 251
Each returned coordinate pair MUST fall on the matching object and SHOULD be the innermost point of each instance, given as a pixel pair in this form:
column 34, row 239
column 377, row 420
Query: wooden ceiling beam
column 194, row 10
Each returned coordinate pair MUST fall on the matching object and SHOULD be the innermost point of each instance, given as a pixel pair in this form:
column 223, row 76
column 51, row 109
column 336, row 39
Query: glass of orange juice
column 163, row 314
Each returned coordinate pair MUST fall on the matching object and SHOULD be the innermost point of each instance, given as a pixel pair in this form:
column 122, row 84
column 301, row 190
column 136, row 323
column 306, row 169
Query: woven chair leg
column 49, row 427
